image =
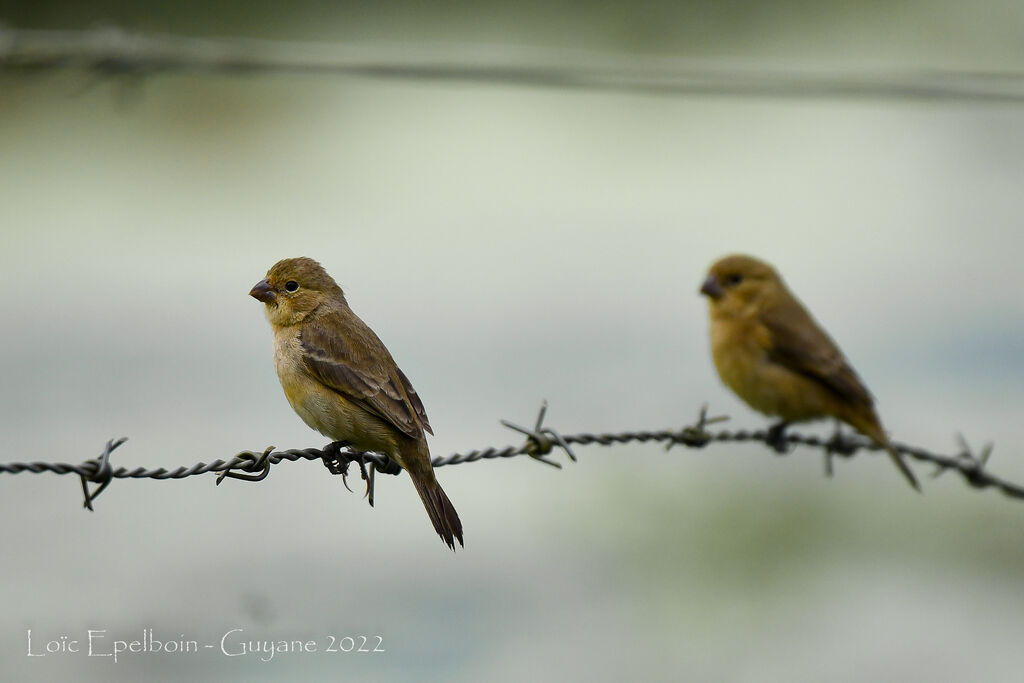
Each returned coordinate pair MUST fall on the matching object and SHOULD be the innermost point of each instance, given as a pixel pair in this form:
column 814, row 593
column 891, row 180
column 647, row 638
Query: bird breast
column 740, row 351
column 322, row 408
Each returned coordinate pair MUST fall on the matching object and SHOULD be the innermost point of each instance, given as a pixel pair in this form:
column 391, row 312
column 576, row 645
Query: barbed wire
column 109, row 51
column 540, row 442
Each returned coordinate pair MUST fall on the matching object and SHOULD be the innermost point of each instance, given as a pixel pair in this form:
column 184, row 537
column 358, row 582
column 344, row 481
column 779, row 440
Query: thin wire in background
column 114, row 52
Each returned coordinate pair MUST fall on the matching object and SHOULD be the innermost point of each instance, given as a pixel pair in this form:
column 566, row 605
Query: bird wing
column 799, row 343
column 343, row 353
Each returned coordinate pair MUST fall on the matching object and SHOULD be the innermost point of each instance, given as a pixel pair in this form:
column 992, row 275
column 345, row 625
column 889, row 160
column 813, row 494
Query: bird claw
column 365, row 477
column 336, row 463
column 332, row 459
column 837, row 444
column 369, row 485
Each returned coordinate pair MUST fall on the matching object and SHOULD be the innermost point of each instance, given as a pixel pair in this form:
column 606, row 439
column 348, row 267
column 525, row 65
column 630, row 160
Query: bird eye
column 291, row 285
column 735, row 279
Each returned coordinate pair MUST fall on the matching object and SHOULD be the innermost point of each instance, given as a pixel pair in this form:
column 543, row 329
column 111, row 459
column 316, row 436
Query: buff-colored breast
column 323, row 409
column 740, row 348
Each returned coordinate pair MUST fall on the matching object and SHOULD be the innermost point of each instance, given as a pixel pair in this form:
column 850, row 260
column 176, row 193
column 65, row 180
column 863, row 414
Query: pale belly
column 327, row 411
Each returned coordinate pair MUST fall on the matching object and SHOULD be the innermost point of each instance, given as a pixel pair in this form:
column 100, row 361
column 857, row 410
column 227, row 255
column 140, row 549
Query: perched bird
column 341, row 380
column 774, row 355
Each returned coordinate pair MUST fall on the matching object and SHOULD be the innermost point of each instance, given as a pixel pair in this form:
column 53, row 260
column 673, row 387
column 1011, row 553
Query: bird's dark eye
column 291, row 285
column 734, row 279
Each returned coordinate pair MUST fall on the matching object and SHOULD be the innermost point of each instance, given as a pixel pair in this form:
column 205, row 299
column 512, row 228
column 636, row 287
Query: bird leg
column 776, row 437
column 337, row 463
column 839, row 444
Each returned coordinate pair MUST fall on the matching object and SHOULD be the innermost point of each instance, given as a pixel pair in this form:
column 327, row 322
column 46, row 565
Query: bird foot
column 839, row 444
column 332, row 458
column 337, row 463
column 776, row 438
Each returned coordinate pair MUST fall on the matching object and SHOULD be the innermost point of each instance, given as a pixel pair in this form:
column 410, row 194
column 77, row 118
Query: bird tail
column 440, row 510
column 415, row 460
column 873, row 429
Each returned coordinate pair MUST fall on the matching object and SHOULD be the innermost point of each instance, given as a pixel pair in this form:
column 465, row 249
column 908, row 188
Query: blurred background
column 511, row 244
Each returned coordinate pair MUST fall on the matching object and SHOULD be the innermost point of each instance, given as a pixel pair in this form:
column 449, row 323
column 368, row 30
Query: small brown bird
column 774, row 355
column 341, row 380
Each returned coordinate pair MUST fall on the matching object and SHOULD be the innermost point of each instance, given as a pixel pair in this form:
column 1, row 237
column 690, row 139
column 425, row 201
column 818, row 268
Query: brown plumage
column 770, row 351
column 342, row 381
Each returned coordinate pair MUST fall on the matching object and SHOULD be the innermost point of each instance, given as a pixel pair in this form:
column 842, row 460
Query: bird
column 343, row 382
column 772, row 353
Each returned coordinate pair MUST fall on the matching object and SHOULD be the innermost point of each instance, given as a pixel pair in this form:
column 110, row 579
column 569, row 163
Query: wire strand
column 109, row 51
column 540, row 441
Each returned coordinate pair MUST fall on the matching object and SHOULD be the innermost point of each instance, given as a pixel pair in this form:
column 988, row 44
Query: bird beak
column 711, row 288
column 263, row 292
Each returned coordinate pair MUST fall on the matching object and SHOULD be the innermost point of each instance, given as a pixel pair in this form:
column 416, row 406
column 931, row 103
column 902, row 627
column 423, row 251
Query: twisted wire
column 540, row 441
column 110, row 51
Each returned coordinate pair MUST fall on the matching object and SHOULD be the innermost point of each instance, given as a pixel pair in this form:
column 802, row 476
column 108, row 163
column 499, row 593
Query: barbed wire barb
column 251, row 463
column 972, row 466
column 696, row 435
column 540, row 441
column 102, row 475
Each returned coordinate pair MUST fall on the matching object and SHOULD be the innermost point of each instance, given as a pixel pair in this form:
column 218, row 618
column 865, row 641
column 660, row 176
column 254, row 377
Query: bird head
column 737, row 282
column 294, row 288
